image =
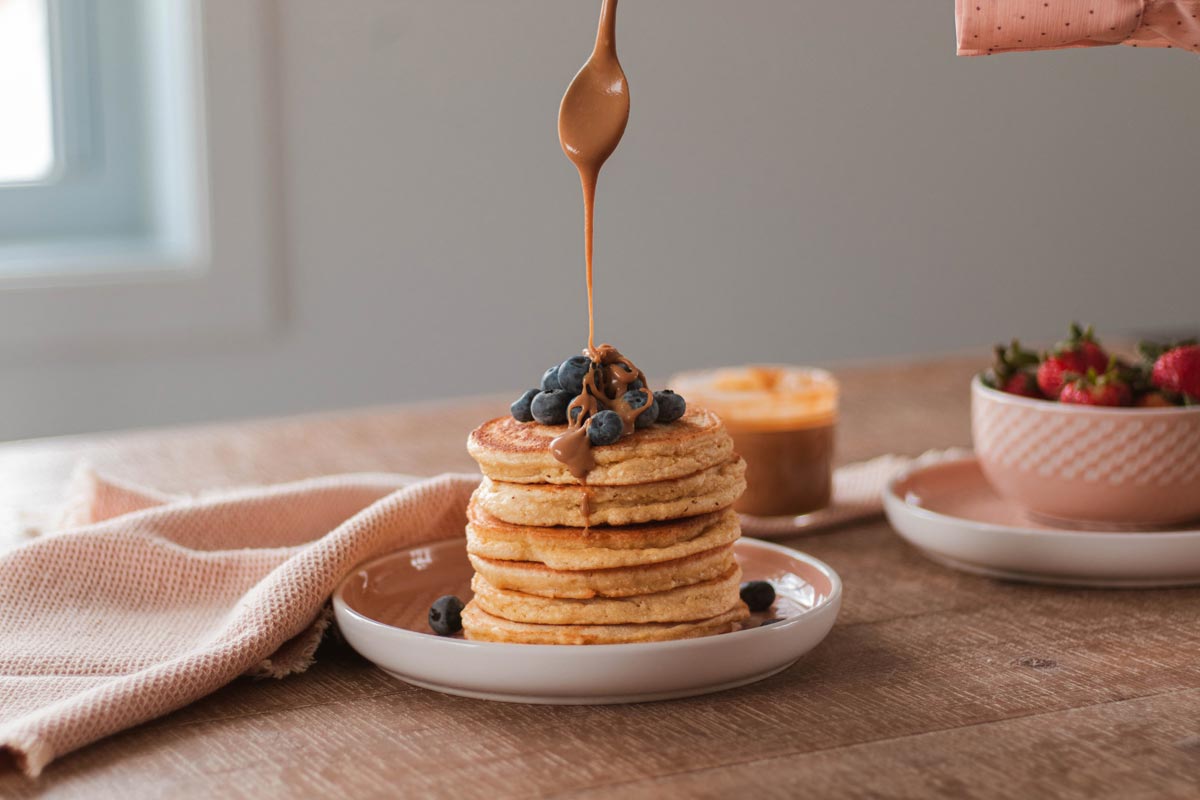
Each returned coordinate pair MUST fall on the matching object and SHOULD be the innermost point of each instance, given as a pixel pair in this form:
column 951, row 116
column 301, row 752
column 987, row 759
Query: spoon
column 595, row 108
column 591, row 121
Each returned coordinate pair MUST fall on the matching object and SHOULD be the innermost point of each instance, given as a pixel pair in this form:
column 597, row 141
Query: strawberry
column 1084, row 341
column 1154, row 400
column 1076, row 355
column 1056, row 370
column 1178, row 370
column 1023, row 384
column 1093, row 389
column 1013, row 371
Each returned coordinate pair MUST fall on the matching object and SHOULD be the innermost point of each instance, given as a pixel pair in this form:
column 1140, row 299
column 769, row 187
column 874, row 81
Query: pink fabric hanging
column 1006, row 26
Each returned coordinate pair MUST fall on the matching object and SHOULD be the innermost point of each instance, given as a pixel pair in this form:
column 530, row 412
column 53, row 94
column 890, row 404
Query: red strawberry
column 1178, row 370
column 1084, row 342
column 1075, row 356
column 1012, row 371
column 1153, row 400
column 1091, row 389
column 1056, row 370
column 1023, row 384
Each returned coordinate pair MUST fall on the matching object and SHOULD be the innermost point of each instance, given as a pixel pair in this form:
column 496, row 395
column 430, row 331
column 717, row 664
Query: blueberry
column 573, row 413
column 550, row 379
column 445, row 615
column 571, row 373
column 520, row 407
column 758, row 595
column 550, row 408
column 634, row 385
column 605, row 428
column 637, row 400
column 670, row 405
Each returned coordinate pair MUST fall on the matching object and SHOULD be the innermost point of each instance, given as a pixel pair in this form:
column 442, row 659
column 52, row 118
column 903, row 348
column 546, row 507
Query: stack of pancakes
column 643, row 551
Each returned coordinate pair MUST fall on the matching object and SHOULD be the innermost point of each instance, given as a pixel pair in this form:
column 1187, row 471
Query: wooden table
column 932, row 683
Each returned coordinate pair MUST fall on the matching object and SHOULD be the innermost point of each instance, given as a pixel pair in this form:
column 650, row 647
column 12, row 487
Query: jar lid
column 763, row 395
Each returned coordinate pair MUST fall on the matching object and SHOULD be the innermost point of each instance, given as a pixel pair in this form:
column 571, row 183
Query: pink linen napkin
column 985, row 27
column 155, row 601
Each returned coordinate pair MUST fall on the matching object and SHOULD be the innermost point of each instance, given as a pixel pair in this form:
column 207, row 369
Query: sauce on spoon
column 591, row 121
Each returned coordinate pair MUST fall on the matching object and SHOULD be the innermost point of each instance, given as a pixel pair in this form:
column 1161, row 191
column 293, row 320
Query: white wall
column 800, row 181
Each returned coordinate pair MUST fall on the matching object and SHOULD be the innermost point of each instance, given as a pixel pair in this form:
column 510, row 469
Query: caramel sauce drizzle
column 591, row 121
column 604, row 388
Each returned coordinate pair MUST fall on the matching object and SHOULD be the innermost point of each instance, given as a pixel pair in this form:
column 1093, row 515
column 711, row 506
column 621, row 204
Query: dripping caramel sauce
column 591, row 121
column 574, row 448
column 616, row 373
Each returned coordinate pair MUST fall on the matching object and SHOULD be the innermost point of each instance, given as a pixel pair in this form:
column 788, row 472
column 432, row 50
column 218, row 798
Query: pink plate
column 381, row 608
column 951, row 513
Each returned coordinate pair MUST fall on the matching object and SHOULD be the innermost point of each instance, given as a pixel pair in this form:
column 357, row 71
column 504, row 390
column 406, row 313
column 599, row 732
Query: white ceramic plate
column 382, row 606
column 951, row 514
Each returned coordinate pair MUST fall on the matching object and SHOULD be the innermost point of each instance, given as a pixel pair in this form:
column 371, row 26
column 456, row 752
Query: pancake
column 547, row 505
column 519, row 452
column 683, row 604
column 531, row 577
column 482, row 626
column 598, row 547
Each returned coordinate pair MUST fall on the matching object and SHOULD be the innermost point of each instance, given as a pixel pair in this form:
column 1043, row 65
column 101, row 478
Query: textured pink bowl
column 1122, row 467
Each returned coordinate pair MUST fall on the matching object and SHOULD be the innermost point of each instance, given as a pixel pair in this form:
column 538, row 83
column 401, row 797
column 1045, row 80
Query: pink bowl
column 1121, row 467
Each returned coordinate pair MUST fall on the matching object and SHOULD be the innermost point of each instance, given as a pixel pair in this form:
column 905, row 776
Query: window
column 137, row 204
column 94, row 139
column 26, row 137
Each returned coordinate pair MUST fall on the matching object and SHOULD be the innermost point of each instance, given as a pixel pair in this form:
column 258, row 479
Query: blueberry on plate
column 550, row 408
column 637, row 400
column 520, row 409
column 572, row 372
column 758, row 595
column 445, row 615
column 550, row 379
column 605, row 428
column 670, row 405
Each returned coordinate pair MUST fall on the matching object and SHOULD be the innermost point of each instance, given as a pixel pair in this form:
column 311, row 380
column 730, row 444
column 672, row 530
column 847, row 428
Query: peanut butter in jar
column 782, row 421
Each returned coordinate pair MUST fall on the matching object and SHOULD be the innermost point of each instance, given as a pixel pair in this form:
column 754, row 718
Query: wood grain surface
column 933, row 683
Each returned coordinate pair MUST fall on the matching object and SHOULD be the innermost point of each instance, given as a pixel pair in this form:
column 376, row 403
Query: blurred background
column 237, row 208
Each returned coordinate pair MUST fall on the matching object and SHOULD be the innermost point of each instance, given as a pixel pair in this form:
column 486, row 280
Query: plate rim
column 892, row 497
column 833, row 599
column 593, row 700
column 1053, row 579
